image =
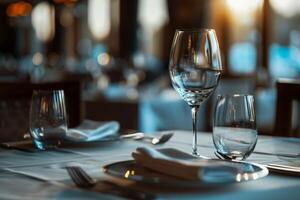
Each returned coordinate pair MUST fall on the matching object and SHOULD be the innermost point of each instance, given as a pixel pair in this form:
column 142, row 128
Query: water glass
column 234, row 126
column 48, row 120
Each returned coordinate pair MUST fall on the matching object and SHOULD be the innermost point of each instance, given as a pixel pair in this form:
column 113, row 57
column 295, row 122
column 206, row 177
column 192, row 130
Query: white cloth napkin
column 90, row 130
column 182, row 165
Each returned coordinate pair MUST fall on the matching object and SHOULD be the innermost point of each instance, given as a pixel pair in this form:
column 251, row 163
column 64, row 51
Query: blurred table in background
column 152, row 109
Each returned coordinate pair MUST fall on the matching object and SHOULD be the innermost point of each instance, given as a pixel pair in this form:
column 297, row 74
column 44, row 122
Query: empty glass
column 195, row 68
column 48, row 121
column 234, row 127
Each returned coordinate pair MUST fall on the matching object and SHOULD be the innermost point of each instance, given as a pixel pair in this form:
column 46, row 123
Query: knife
column 24, row 145
column 284, row 169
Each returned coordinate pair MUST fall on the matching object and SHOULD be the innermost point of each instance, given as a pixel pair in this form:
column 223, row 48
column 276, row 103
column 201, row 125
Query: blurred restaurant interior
column 119, row 51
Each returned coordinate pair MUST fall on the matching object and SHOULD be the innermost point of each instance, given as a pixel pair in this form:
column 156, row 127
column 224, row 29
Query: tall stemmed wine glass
column 195, row 67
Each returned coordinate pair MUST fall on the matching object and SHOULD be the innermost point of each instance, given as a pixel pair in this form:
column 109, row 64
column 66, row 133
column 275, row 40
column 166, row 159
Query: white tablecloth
column 41, row 175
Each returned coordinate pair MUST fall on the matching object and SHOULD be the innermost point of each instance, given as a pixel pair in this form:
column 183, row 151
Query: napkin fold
column 90, row 130
column 185, row 166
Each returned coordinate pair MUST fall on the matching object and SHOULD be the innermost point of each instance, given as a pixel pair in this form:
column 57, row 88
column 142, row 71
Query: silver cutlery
column 284, row 166
column 80, row 178
column 284, row 169
column 23, row 145
column 163, row 138
column 279, row 154
column 223, row 156
column 276, row 168
column 83, row 180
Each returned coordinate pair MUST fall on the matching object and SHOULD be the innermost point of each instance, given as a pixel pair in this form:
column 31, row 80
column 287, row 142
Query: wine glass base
column 223, row 156
column 196, row 154
column 46, row 145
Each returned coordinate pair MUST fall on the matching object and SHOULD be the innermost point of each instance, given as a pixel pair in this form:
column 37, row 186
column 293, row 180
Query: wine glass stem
column 194, row 119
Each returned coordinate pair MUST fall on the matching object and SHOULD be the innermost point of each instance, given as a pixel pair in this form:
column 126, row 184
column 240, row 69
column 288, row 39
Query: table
column 41, row 175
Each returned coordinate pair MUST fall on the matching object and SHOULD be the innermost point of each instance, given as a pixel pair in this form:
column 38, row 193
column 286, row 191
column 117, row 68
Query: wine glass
column 195, row 68
column 48, row 119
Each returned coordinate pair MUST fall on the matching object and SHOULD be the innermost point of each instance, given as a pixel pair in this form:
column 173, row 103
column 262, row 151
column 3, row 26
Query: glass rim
column 193, row 30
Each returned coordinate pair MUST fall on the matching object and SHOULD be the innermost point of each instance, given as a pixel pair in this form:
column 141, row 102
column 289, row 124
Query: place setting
column 154, row 161
column 234, row 130
column 150, row 99
column 49, row 129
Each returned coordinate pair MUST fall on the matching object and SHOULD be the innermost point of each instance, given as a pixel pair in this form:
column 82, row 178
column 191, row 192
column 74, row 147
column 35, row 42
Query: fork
column 83, row 180
column 80, row 177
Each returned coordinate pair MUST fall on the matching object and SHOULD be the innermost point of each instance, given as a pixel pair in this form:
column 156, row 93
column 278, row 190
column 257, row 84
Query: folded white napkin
column 182, row 165
column 90, row 130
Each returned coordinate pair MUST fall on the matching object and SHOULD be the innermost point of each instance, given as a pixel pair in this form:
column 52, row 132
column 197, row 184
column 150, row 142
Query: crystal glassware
column 48, row 120
column 234, row 126
column 195, row 68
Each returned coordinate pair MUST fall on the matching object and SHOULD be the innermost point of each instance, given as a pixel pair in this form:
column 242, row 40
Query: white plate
column 129, row 170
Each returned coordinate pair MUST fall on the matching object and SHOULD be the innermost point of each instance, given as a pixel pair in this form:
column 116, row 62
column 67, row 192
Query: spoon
column 163, row 138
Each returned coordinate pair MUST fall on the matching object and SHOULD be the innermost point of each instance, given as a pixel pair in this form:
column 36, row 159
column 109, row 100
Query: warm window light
column 43, row 21
column 243, row 6
column 153, row 13
column 287, row 8
column 152, row 16
column 18, row 9
column 99, row 18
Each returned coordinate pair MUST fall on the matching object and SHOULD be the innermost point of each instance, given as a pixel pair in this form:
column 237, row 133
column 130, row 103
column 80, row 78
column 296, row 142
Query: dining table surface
column 43, row 175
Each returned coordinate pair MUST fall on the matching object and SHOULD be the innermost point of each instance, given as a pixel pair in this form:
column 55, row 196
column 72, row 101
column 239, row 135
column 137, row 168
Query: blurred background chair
column 287, row 108
column 15, row 98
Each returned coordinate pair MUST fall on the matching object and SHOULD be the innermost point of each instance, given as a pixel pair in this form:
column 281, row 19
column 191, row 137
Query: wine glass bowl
column 195, row 68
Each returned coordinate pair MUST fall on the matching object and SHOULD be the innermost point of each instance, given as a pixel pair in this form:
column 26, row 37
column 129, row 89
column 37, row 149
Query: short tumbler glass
column 234, row 126
column 48, row 120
